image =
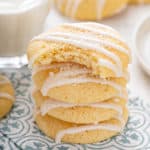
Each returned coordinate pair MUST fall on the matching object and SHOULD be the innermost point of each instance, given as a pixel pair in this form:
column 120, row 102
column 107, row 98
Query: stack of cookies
column 79, row 74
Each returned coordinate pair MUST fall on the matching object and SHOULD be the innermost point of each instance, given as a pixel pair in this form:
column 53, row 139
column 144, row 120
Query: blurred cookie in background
column 90, row 9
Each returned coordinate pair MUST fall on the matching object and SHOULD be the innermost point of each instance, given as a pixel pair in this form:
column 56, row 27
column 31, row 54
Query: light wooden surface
column 126, row 23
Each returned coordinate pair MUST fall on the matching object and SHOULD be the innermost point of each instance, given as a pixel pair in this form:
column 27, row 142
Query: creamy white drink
column 20, row 20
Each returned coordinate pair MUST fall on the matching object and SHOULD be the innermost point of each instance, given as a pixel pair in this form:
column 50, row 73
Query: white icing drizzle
column 59, row 80
column 75, row 7
column 37, row 69
column 90, row 38
column 100, row 26
column 73, row 69
column 98, row 31
column 53, row 104
column 103, row 62
column 100, row 6
column 80, row 43
column 72, row 7
column 112, row 32
column 90, row 41
column 75, row 130
column 71, row 73
column 86, row 37
column 69, row 4
column 109, row 65
column 7, row 96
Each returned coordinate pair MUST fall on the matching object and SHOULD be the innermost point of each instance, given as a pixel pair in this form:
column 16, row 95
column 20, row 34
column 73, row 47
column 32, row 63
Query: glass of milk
column 20, row 20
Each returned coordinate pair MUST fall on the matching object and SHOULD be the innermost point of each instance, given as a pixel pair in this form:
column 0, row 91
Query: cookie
column 95, row 9
column 7, row 96
column 95, row 46
column 83, row 134
column 79, row 113
column 70, row 82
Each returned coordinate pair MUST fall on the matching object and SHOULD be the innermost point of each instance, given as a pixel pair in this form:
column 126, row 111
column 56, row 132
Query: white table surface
column 126, row 23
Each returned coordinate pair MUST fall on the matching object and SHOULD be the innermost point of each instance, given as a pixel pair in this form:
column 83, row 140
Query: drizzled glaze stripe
column 100, row 27
column 59, row 80
column 74, row 130
column 94, row 33
column 53, row 104
column 88, row 26
column 68, row 41
column 59, row 66
column 102, row 62
column 72, row 6
column 75, row 7
column 109, row 65
column 123, row 95
column 70, row 73
column 100, row 6
column 67, row 75
column 7, row 96
column 68, row 6
column 99, row 32
column 76, row 80
column 37, row 69
column 93, row 39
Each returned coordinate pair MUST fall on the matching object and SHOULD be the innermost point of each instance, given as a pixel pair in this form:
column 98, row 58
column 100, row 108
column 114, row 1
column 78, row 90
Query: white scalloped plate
column 142, row 43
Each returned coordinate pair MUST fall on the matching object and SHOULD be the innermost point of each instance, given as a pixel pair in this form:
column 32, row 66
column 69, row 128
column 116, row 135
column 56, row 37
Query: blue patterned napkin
column 18, row 130
column 7, row 144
